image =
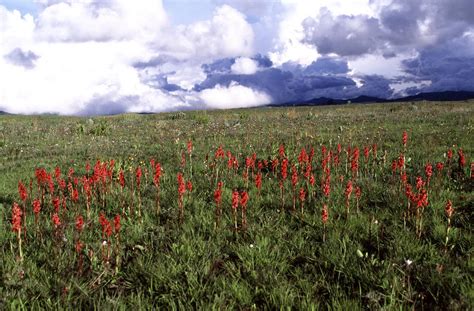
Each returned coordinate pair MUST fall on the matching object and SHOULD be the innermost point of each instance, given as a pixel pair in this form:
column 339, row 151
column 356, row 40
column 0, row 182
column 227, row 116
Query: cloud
column 343, row 35
column 245, row 66
column 77, row 21
column 20, row 58
column 233, row 96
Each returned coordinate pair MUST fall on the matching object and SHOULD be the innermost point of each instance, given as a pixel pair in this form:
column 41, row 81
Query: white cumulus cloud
column 233, row 96
column 245, row 66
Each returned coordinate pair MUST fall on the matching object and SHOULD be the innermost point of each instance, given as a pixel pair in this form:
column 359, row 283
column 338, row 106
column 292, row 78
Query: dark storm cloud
column 449, row 66
column 402, row 25
column 344, row 35
column 21, row 58
column 326, row 77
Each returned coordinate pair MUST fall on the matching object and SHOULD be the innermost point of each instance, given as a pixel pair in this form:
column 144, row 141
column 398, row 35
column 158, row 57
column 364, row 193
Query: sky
column 89, row 57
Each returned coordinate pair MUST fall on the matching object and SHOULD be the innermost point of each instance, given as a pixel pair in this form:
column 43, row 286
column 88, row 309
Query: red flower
column 121, row 179
column 181, row 185
column 355, row 160
column 312, row 180
column 244, row 198
column 79, row 223
column 36, row 206
column 117, row 224
column 439, row 166
column 294, row 176
column 358, row 192
column 56, row 203
column 281, row 151
column 218, row 193
column 22, row 191
column 449, row 209
column 56, row 220
column 79, row 246
column 219, row 153
column 189, row 186
column 348, row 189
column 325, row 214
column 284, row 169
column 190, row 146
column 258, row 181
column 106, row 227
column 88, row 167
column 428, row 171
column 419, row 182
column 157, row 176
column 235, row 199
column 16, row 218
column 138, row 175
column 462, row 159
column 366, row 153
column 75, row 195
column 327, row 186
column 450, row 155
column 302, row 195
column 404, row 138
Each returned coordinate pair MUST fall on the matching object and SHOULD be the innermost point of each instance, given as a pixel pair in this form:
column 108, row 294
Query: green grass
column 281, row 260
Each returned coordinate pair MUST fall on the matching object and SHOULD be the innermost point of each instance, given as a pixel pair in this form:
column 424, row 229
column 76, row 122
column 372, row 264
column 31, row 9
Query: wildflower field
column 347, row 207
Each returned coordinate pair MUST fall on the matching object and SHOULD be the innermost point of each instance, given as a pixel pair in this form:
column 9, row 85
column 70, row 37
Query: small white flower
column 251, row 245
column 408, row 262
column 104, row 242
column 376, row 222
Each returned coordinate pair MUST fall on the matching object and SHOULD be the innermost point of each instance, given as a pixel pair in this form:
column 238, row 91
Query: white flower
column 104, row 242
column 251, row 245
column 408, row 262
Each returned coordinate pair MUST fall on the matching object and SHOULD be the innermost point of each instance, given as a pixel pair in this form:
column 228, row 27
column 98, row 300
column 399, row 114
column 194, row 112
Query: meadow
column 335, row 207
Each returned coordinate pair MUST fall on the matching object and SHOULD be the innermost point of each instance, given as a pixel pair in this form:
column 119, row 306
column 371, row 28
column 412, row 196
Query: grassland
column 373, row 259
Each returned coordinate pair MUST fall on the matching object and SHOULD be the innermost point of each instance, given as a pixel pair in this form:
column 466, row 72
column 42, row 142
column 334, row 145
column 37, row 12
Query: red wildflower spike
column 281, row 151
column 22, row 191
column 181, row 185
column 117, row 224
column 56, row 204
column 462, row 159
column 121, row 179
column 449, row 209
column 88, row 167
column 325, row 214
column 284, row 169
column 312, row 180
column 358, row 192
column 258, row 181
column 218, row 193
column 439, row 166
column 294, row 176
column 428, row 171
column 157, row 176
column 302, row 195
column 36, row 207
column 348, row 189
column 189, row 186
column 244, row 198
column 235, row 199
column 56, row 220
column 16, row 218
column 190, row 146
column 404, row 138
column 419, row 182
column 79, row 223
column 449, row 155
column 138, row 175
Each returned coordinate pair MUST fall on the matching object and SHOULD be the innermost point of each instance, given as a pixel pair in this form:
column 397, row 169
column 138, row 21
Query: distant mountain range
column 432, row 96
